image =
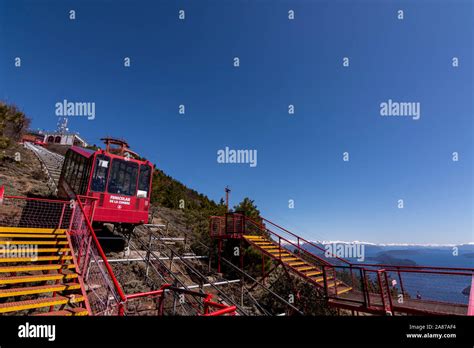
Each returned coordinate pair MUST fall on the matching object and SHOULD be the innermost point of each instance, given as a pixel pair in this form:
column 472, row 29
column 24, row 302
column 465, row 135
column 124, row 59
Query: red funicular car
column 116, row 176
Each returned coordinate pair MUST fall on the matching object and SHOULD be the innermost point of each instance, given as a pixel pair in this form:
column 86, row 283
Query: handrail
column 418, row 269
column 102, row 254
column 148, row 293
column 183, row 289
column 222, row 311
column 289, row 242
column 382, row 271
column 222, row 308
column 367, row 265
column 81, row 238
column 305, row 240
column 194, row 271
column 237, row 269
column 37, row 199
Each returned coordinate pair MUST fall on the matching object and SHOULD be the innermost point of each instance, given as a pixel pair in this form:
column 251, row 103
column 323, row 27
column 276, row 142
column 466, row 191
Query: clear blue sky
column 282, row 62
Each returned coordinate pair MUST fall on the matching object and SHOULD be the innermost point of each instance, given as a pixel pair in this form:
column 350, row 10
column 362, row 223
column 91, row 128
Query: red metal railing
column 377, row 287
column 35, row 212
column 103, row 291
column 233, row 225
column 400, row 289
column 301, row 242
column 253, row 227
column 208, row 304
column 220, row 309
column 98, row 282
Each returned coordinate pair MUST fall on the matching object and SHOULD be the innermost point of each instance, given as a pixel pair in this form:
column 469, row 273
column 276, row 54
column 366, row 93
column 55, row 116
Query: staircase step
column 297, row 263
column 36, row 259
column 249, row 236
column 30, row 250
column 321, row 279
column 33, row 242
column 343, row 290
column 78, row 311
column 32, row 230
column 39, row 303
column 38, row 289
column 277, row 253
column 36, row 278
column 30, row 268
column 313, row 273
column 301, row 269
column 331, row 284
column 32, row 235
column 276, row 250
column 286, row 259
column 268, row 247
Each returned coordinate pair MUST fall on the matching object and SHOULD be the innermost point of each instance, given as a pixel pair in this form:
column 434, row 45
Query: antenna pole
column 227, row 190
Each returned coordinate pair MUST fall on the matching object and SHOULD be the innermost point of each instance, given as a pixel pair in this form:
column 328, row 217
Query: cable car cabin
column 121, row 184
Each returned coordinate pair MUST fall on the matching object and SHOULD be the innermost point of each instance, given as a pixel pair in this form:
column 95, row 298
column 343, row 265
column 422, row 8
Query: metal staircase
column 310, row 271
column 51, row 263
column 51, row 163
column 37, row 273
column 379, row 289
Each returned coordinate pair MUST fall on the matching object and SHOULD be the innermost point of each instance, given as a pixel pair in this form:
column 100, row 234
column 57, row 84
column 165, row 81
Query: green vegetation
column 249, row 209
column 13, row 123
column 197, row 208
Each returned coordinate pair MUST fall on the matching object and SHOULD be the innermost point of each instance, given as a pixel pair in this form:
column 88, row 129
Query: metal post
column 241, row 255
column 335, row 280
column 210, row 258
column 121, row 309
column 127, row 247
column 388, row 293
column 364, row 290
column 325, row 281
column 174, row 303
column 62, row 216
column 171, row 261
column 219, row 256
column 401, row 283
column 227, row 190
column 148, row 256
column 366, row 287
column 279, row 247
column 161, row 303
column 72, row 215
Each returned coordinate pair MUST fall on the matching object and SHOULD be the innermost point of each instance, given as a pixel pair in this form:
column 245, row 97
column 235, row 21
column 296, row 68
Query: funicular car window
column 73, row 173
column 66, row 167
column 101, row 171
column 144, row 181
column 85, row 176
column 70, row 168
column 79, row 175
column 123, row 178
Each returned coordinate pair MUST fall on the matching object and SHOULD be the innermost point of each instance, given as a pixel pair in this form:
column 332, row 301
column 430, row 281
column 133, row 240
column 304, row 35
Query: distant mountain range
column 438, row 288
column 392, row 244
column 405, row 254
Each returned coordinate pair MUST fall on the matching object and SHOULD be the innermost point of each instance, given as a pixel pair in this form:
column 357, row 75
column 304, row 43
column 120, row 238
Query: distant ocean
column 432, row 287
column 435, row 287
